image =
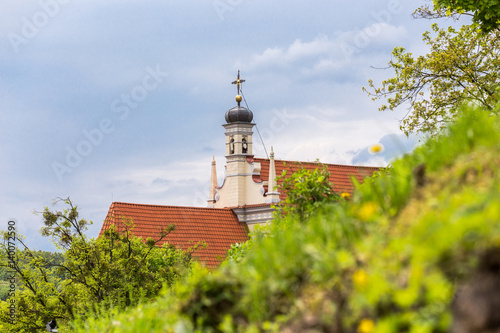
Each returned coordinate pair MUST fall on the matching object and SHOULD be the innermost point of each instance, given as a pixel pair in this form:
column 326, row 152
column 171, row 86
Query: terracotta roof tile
column 340, row 175
column 217, row 227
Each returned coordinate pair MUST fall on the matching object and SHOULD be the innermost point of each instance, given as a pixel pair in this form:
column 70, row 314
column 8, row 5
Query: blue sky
column 113, row 100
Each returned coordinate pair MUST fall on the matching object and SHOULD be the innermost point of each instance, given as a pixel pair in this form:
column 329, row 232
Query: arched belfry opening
column 244, row 145
column 231, row 146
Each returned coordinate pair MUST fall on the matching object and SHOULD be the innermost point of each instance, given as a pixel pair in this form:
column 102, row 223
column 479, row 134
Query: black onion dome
column 239, row 114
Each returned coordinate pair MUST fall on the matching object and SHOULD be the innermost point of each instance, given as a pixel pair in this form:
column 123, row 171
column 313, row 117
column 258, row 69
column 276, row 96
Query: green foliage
column 461, row 67
column 211, row 298
column 116, row 270
column 388, row 260
column 486, row 13
column 306, row 191
column 238, row 251
column 4, row 270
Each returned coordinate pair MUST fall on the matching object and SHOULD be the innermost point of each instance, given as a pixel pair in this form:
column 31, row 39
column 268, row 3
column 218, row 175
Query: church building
column 235, row 207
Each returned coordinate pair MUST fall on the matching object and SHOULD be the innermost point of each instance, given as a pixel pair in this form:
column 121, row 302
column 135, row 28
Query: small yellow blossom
column 376, row 148
column 345, row 195
column 367, row 210
column 360, row 278
column 366, row 326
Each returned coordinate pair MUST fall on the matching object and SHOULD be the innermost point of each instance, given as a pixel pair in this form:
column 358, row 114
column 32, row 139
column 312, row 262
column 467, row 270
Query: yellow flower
column 367, row 210
column 376, row 148
column 366, row 326
column 360, row 278
column 345, row 195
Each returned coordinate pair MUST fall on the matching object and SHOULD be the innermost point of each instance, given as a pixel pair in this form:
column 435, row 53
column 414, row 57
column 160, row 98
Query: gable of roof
column 340, row 175
column 217, row 227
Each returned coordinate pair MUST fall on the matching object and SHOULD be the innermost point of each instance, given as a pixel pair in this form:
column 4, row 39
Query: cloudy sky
column 104, row 101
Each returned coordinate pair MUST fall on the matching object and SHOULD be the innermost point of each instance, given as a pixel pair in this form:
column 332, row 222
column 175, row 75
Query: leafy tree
column 486, row 13
column 461, row 67
column 5, row 272
column 114, row 270
column 306, row 191
column 426, row 12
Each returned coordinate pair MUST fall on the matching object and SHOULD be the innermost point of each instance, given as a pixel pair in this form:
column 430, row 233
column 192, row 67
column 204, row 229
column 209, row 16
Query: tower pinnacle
column 238, row 83
column 239, row 113
column 213, row 184
column 273, row 195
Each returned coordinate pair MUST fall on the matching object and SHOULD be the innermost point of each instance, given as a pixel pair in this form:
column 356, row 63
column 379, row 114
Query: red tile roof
column 217, row 227
column 340, row 175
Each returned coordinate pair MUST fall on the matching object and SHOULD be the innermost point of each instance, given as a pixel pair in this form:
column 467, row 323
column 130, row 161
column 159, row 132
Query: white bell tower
column 239, row 187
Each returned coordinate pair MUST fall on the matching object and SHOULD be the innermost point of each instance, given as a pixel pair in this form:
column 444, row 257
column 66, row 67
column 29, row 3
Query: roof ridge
column 116, row 203
column 253, row 205
column 322, row 163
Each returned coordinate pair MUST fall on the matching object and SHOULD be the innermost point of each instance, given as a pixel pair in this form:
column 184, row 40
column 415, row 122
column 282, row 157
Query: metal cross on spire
column 238, row 82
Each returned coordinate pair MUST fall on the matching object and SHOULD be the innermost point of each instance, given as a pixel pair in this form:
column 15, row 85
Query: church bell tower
column 239, row 187
column 238, row 128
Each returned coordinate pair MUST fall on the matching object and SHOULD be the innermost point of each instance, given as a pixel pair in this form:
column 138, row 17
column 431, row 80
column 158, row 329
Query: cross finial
column 238, row 82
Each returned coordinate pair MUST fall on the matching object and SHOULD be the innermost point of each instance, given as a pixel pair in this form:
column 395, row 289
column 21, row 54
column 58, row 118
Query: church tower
column 239, row 187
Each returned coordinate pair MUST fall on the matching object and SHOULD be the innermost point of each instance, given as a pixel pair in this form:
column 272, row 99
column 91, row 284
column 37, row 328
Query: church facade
column 242, row 201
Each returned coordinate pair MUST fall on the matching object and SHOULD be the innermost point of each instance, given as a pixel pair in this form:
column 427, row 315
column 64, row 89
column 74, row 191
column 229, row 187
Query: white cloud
column 329, row 53
column 395, row 145
column 386, row 33
column 321, row 132
column 298, row 51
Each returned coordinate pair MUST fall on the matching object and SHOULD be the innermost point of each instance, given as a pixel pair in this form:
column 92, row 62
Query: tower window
column 244, row 146
column 231, row 146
